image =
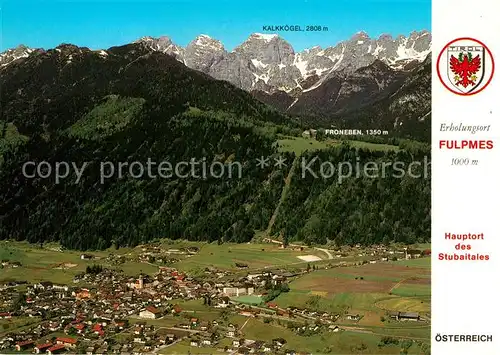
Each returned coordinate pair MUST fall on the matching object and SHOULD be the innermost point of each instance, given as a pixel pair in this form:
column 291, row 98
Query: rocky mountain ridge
column 268, row 63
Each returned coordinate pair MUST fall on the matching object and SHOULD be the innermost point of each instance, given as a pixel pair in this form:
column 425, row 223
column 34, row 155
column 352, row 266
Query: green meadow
column 298, row 145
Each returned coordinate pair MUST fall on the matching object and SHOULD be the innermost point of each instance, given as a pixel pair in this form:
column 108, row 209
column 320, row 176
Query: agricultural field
column 370, row 290
column 248, row 299
column 298, row 145
column 15, row 323
column 344, row 342
column 373, row 146
column 255, row 256
column 50, row 263
column 183, row 348
column 419, row 263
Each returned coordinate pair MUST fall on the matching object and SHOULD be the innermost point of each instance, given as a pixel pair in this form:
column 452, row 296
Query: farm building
column 354, row 317
column 56, row 349
column 150, row 313
column 413, row 254
column 41, row 348
column 67, row 342
column 23, row 345
column 405, row 316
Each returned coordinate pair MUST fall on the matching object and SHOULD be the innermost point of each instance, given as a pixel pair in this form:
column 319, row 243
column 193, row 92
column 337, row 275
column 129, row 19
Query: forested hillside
column 77, row 106
column 372, row 206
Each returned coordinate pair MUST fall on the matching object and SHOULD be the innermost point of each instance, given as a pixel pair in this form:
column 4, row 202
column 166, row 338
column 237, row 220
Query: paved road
column 326, row 251
column 156, row 351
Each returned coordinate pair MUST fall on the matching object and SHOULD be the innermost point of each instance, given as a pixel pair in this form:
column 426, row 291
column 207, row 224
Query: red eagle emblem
column 465, row 68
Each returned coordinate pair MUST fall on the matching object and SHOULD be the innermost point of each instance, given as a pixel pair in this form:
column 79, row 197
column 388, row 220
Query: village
column 105, row 311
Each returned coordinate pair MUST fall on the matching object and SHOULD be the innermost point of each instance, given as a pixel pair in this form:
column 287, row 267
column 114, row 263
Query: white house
column 150, row 313
column 237, row 291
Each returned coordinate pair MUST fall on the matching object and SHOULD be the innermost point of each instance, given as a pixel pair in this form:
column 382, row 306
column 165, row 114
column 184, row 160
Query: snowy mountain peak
column 315, row 49
column 360, row 35
column 207, row 41
column 267, row 62
column 163, row 44
column 144, row 39
column 263, row 36
column 419, row 34
column 14, row 54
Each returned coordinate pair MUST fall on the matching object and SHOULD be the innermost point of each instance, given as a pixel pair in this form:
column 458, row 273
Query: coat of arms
column 466, row 67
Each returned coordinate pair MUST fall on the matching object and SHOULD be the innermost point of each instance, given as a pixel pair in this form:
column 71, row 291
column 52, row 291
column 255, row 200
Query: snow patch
column 361, row 42
column 401, row 51
column 377, row 50
column 281, row 66
column 308, row 50
column 298, row 84
column 337, row 65
column 424, row 116
column 263, row 77
column 381, row 84
column 293, row 103
column 319, row 82
column 207, row 41
column 320, row 71
column 258, row 64
column 405, row 53
column 337, row 59
column 301, row 65
column 265, row 37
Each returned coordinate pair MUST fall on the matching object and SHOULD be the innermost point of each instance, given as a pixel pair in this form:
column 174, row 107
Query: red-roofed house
column 97, row 329
column 177, row 309
column 23, row 345
column 138, row 330
column 40, row 348
column 83, row 294
column 69, row 342
column 56, row 349
column 79, row 328
column 150, row 313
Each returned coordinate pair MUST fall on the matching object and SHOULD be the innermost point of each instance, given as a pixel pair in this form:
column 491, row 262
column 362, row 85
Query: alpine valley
column 155, row 100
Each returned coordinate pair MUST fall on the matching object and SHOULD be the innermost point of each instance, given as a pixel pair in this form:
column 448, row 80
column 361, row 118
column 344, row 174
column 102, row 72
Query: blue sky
column 102, row 24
